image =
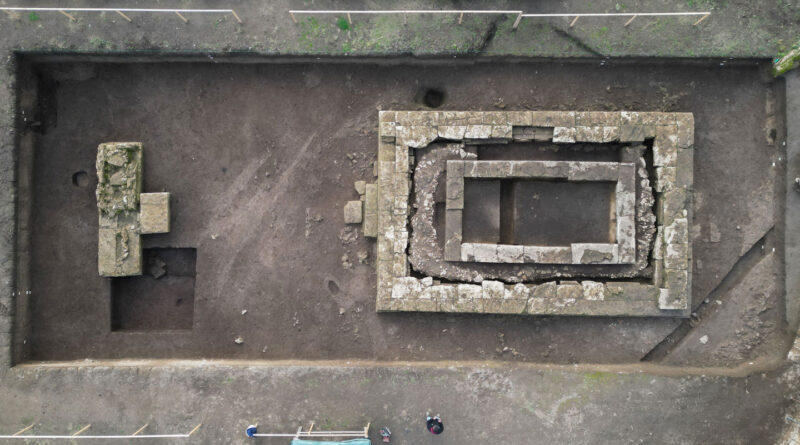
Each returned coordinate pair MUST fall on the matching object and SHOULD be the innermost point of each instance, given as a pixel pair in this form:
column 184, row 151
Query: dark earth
column 260, row 158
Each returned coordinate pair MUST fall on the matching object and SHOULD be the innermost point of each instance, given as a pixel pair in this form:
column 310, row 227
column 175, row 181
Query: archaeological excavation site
column 593, row 240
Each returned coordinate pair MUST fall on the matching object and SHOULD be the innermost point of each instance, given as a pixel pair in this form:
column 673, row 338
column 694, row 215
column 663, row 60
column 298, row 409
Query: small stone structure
column 623, row 174
column 125, row 213
column 667, row 291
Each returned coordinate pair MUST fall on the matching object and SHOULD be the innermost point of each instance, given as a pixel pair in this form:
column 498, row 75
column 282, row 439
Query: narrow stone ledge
column 595, row 253
column 547, row 254
column 564, row 135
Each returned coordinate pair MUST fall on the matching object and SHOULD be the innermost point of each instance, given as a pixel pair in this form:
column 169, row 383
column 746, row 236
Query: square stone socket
column 673, row 135
column 624, row 174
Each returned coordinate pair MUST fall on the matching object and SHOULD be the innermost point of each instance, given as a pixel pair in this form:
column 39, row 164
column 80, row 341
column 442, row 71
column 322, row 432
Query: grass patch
column 342, row 23
column 33, row 16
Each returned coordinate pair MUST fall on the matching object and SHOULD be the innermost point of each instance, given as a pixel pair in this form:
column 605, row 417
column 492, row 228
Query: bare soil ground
column 260, row 159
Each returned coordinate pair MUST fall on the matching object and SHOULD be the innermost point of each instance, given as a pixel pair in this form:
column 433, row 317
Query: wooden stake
column 185, row 20
column 75, row 20
column 195, row 429
column 294, row 19
column 311, row 428
column 366, row 430
column 82, row 429
column 516, row 22
column 460, row 18
column 124, row 16
column 349, row 19
column 629, row 21
column 23, row 430
column 701, row 19
column 236, row 16
column 140, row 429
column 574, row 20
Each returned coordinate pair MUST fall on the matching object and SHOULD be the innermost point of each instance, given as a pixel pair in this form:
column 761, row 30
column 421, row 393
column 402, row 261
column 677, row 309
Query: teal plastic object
column 346, row 442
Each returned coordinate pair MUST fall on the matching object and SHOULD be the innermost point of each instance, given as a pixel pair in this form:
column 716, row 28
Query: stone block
column 627, row 178
column 547, row 254
column 387, row 131
column 677, row 232
column 501, row 132
column 467, row 252
column 401, row 159
column 387, row 116
column 665, row 150
column 564, row 135
column 676, row 256
column 674, row 203
column 452, row 243
column 493, row 289
column 406, row 288
column 119, row 252
column 569, row 290
column 454, row 191
column 478, row 132
column 610, row 134
column 594, row 253
column 518, row 291
column 454, row 132
column 546, row 290
column 537, row 306
column 631, row 133
column 630, row 291
column 553, row 118
column 666, row 178
column 685, row 131
column 588, row 134
column 592, row 290
column 353, row 212
column 519, row 118
column 485, row 253
column 507, row 253
column 469, row 298
column 593, row 171
column 684, row 176
column 417, row 136
column 543, row 134
column 154, row 213
column 360, row 186
column 597, row 118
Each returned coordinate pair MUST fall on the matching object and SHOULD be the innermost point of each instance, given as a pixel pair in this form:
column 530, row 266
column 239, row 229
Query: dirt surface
column 260, row 160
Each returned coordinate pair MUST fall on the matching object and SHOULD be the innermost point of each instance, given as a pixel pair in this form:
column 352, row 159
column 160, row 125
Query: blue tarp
column 346, row 442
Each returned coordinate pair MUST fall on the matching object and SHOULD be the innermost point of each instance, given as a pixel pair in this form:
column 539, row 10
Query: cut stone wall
column 667, row 293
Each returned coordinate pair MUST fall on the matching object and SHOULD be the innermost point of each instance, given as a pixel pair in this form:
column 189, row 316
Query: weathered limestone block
column 488, row 169
column 547, row 254
column 597, row 118
column 371, row 210
column 518, row 291
column 501, row 132
column 519, row 118
column 485, row 253
column 666, row 178
column 665, row 148
column 677, row 232
column 593, row 171
column 360, row 186
column 493, row 289
column 626, row 239
column 455, row 185
column 469, row 298
column 467, row 252
column 623, row 290
column 119, row 251
column 553, row 118
column 478, row 132
column 569, row 291
column 416, row 136
column 154, row 216
column 545, row 290
column 452, row 243
column 684, row 176
column 685, row 133
column 406, row 288
column 387, row 131
column 588, row 134
column 676, row 256
column 594, row 253
column 353, row 213
column 674, row 204
column 592, row 290
column 507, row 253
column 632, row 133
column 610, row 134
column 564, row 135
column 455, row 132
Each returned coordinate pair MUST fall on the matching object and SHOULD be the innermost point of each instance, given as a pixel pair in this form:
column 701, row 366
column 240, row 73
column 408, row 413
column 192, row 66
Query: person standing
column 434, row 424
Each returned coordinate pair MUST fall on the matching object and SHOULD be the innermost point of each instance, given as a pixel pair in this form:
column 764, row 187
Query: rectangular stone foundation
column 667, row 293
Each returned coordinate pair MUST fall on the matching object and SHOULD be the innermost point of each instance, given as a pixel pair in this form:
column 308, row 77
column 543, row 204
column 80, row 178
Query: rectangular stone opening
column 558, row 213
column 538, row 212
column 160, row 299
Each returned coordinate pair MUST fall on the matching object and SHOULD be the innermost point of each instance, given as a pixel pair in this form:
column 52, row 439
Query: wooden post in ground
column 294, row 19
column 701, row 19
column 349, row 19
column 236, row 16
column 516, row 22
column 124, row 16
column 574, row 20
column 195, row 429
column 629, row 21
column 185, row 20
column 82, row 429
column 460, row 18
column 23, row 430
column 140, row 429
column 74, row 19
